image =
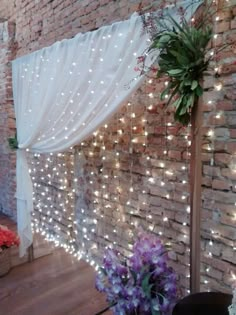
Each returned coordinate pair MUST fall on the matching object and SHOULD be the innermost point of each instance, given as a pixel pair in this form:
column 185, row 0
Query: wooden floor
column 53, row 285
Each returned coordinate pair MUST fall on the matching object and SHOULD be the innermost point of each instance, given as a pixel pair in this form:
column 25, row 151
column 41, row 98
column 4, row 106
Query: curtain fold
column 65, row 92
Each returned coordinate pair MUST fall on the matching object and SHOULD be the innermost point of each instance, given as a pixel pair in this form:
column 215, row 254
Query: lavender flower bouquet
column 144, row 285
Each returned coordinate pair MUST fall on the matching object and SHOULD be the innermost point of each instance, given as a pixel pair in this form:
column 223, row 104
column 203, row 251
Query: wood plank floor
column 56, row 284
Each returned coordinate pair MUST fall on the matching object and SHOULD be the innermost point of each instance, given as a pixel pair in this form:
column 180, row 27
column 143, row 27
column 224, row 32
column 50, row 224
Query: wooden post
column 31, row 253
column 195, row 197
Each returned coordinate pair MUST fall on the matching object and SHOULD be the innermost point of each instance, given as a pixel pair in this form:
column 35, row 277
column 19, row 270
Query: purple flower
column 136, row 263
column 100, row 285
column 164, row 306
column 170, row 287
column 142, row 283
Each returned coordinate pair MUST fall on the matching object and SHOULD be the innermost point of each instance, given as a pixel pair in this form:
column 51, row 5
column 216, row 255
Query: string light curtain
column 64, row 92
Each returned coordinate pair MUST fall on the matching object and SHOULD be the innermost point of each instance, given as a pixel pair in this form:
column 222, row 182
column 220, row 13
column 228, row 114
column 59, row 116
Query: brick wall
column 107, row 210
column 144, row 187
column 7, row 122
column 218, row 230
column 41, row 23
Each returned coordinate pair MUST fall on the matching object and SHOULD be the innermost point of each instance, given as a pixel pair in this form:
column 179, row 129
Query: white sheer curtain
column 64, row 92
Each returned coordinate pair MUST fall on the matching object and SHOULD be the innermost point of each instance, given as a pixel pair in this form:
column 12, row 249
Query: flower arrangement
column 144, row 285
column 7, row 238
column 181, row 52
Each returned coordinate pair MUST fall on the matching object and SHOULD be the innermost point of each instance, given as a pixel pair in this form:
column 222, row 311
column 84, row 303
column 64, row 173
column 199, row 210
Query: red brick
column 221, row 184
column 233, row 24
column 231, row 147
column 229, row 67
column 225, row 105
column 222, row 27
column 176, row 155
column 226, row 172
column 232, row 133
column 211, row 170
column 222, row 158
column 231, row 38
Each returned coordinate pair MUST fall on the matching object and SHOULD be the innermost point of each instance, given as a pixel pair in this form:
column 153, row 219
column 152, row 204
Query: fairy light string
column 211, row 135
column 215, row 237
column 51, row 229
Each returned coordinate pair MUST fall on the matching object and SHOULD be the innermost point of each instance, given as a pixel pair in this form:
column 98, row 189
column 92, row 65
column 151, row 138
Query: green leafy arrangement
column 180, row 51
column 182, row 58
column 13, row 143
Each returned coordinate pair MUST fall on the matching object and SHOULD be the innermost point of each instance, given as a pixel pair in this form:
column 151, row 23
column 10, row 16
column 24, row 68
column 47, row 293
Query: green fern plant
column 182, row 58
column 13, row 143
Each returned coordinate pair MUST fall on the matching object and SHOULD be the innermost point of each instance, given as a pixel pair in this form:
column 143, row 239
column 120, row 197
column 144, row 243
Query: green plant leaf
column 164, row 93
column 174, row 92
column 199, row 90
column 183, row 110
column 190, row 100
column 164, row 38
column 178, row 102
column 146, row 286
column 194, row 85
column 187, row 82
column 13, row 143
column 175, row 71
column 154, row 312
column 155, row 308
column 182, row 50
column 134, row 275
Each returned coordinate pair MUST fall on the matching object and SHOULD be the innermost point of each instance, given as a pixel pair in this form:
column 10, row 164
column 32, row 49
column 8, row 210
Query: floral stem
column 106, row 309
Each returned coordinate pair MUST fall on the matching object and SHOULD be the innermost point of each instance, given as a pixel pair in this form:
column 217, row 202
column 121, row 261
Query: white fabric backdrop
column 64, row 92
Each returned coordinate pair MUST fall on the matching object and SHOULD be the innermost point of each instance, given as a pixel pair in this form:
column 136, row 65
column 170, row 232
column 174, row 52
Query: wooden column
column 195, row 197
column 31, row 253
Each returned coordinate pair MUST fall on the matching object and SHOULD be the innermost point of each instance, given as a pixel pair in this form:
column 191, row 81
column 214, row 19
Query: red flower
column 7, row 238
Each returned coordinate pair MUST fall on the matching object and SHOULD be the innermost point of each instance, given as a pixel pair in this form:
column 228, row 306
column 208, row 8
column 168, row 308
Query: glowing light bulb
column 218, row 86
column 210, row 133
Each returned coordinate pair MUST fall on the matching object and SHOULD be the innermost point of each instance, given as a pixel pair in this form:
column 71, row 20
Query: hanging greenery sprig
column 181, row 52
column 13, row 143
column 182, row 57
